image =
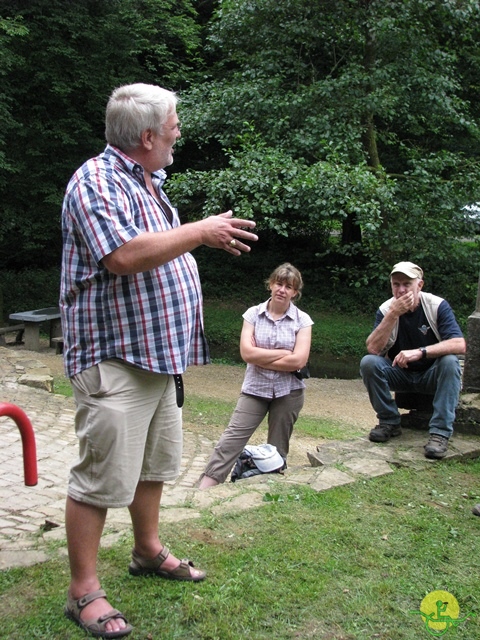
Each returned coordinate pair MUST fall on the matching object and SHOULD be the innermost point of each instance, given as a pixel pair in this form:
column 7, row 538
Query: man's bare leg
column 84, row 526
column 145, row 511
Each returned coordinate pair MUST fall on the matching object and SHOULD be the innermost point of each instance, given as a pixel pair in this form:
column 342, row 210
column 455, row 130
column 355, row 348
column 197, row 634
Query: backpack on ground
column 257, row 459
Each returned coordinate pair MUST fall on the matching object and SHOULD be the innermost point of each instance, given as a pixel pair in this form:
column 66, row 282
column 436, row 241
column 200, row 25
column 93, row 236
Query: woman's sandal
column 145, row 566
column 96, row 627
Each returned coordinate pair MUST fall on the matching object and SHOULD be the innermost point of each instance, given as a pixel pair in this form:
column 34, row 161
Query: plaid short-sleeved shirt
column 273, row 334
column 154, row 319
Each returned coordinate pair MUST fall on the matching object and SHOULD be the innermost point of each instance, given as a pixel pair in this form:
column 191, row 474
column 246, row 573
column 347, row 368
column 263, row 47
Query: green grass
column 205, row 412
column 62, row 386
column 351, row 563
column 325, row 428
column 337, row 334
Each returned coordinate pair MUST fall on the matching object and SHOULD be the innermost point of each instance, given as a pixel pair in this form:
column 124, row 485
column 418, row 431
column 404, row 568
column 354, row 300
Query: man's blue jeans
column 442, row 380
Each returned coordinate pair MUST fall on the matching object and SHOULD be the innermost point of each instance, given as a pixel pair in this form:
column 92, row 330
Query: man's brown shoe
column 436, row 446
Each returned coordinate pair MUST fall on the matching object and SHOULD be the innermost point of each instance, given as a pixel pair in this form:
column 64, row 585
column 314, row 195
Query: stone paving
column 32, row 518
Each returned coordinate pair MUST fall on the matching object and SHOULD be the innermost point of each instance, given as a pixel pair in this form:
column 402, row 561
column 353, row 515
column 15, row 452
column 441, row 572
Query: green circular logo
column 440, row 612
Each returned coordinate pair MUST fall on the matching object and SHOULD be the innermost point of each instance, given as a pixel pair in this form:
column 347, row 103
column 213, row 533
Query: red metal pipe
column 28, row 441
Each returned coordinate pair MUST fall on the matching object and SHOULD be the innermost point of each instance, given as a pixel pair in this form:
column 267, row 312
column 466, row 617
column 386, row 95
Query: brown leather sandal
column 95, row 627
column 145, row 566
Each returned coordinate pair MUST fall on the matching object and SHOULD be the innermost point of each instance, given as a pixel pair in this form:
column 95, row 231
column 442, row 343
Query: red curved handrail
column 28, row 440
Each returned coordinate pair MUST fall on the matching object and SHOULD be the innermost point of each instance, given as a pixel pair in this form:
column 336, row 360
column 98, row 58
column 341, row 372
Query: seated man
column 413, row 348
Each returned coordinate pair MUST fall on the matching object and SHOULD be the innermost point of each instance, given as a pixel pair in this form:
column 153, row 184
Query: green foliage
column 423, row 230
column 60, row 71
column 288, row 197
column 341, row 115
column 348, row 131
column 10, row 28
column 313, row 56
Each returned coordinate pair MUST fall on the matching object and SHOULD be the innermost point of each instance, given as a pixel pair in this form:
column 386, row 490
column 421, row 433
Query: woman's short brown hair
column 286, row 272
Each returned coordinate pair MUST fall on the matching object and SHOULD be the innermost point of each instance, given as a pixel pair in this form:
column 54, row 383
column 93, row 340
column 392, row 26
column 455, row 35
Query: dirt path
column 338, row 400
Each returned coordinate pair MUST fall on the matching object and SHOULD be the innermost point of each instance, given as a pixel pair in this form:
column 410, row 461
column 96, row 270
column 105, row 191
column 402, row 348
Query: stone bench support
column 17, row 328
column 32, row 321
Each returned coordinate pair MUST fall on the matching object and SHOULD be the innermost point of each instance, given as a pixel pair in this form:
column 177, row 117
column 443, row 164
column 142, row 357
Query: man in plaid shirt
column 132, row 320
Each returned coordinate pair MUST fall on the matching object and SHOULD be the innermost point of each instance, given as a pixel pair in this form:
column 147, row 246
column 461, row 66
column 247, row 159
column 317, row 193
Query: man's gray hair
column 132, row 109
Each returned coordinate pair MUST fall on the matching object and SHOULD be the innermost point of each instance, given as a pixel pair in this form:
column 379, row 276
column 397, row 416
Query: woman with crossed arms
column 275, row 342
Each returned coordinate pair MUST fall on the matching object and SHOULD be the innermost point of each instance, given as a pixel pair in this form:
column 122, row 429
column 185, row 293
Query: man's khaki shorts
column 129, row 429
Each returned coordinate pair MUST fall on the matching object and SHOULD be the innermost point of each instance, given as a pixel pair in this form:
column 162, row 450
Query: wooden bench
column 32, row 321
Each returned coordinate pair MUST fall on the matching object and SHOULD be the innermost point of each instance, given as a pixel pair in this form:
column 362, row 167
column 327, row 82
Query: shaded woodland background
column 348, row 129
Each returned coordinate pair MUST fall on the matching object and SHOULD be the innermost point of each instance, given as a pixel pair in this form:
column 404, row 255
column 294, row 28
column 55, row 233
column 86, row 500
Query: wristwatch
column 424, row 352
